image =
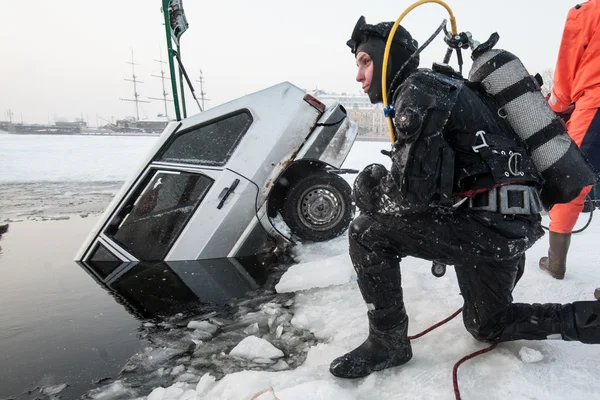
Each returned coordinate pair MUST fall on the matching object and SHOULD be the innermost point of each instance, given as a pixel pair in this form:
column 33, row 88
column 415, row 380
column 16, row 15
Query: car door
column 187, row 204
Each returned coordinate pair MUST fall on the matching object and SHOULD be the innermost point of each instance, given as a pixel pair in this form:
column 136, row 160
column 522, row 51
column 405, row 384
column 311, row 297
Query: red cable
column 418, row 335
column 462, row 360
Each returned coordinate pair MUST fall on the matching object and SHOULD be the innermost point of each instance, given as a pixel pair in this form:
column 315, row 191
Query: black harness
column 451, row 143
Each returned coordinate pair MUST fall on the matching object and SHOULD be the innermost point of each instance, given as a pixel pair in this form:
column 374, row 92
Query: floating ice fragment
column 178, row 370
column 55, row 389
column 203, row 326
column 205, row 383
column 253, row 347
column 252, row 329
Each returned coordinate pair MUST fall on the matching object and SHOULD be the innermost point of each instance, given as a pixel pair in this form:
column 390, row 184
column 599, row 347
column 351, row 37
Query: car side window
column 210, row 144
column 149, row 224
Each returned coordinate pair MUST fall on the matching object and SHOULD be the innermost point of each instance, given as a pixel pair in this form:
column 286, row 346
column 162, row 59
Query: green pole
column 183, row 107
column 165, row 6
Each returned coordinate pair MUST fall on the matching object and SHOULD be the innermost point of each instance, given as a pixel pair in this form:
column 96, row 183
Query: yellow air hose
column 388, row 45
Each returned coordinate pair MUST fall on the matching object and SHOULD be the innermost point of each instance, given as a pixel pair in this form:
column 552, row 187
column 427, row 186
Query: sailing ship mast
column 136, row 95
column 202, row 93
column 164, row 90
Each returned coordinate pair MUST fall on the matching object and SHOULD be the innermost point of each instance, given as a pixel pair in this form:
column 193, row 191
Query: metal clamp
column 492, row 203
column 498, row 200
column 503, row 199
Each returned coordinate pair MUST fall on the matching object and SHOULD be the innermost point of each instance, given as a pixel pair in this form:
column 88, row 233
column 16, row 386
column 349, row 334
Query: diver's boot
column 382, row 349
column 387, row 345
column 584, row 325
column 556, row 262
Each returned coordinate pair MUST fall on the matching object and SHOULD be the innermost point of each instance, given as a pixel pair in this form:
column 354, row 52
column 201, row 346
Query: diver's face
column 365, row 70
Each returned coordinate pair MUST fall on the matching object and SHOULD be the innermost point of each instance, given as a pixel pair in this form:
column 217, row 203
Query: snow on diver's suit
column 450, row 146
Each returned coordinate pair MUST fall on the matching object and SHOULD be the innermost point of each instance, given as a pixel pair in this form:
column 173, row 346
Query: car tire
column 318, row 207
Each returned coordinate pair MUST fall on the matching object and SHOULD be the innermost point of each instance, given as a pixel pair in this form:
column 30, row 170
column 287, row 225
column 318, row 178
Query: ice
column 112, row 391
column 316, row 390
column 178, row 370
column 178, row 391
column 331, row 271
column 252, row 329
column 203, row 326
column 157, row 394
column 281, row 226
column 67, row 158
column 336, row 315
column 189, row 394
column 253, row 347
column 187, row 377
column 205, row 383
column 530, row 355
column 54, row 390
column 200, row 335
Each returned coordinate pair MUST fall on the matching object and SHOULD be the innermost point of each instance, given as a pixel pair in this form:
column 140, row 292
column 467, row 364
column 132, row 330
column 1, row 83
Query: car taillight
column 315, row 103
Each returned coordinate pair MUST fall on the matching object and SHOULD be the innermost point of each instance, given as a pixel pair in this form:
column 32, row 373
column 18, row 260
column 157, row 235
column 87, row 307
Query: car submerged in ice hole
column 214, row 184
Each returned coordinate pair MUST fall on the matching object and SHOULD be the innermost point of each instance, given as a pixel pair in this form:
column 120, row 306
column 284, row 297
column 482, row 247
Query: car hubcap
column 320, row 208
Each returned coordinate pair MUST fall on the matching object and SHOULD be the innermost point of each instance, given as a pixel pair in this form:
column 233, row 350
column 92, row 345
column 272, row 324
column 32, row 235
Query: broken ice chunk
column 178, row 370
column 529, row 356
column 53, row 390
column 203, row 326
column 205, row 383
column 253, row 347
column 252, row 329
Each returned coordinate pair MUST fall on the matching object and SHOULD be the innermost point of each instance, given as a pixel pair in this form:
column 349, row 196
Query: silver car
column 214, row 183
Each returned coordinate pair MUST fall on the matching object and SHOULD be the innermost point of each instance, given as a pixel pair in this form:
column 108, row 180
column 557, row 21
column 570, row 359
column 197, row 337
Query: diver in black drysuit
column 463, row 191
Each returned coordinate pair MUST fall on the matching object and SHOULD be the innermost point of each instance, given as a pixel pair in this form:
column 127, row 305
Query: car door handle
column 228, row 191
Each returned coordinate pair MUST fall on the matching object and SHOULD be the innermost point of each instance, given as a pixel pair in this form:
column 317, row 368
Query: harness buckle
column 508, row 199
column 491, row 203
column 508, row 193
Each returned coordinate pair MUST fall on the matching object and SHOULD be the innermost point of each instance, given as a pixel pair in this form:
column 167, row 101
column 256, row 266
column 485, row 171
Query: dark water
column 58, row 325
column 94, row 327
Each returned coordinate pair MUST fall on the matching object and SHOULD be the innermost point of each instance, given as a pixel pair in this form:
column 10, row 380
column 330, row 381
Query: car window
column 150, row 223
column 210, row 144
column 103, row 261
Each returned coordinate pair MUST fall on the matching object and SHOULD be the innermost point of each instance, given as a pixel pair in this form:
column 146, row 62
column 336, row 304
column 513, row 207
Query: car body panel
column 173, row 208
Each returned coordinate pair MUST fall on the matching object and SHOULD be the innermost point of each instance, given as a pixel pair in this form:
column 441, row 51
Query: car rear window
column 150, row 223
column 210, row 144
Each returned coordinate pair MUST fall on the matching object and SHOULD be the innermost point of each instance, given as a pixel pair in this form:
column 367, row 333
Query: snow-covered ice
column 328, row 304
column 331, row 271
column 335, row 313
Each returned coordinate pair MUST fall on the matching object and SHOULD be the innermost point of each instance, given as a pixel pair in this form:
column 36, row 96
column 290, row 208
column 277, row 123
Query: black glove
column 366, row 187
column 566, row 114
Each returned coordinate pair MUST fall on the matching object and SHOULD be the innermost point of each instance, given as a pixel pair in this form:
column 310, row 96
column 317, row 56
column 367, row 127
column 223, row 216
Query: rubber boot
column 556, row 262
column 387, row 344
column 587, row 321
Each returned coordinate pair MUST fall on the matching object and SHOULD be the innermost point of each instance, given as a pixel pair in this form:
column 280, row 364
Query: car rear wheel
column 318, row 207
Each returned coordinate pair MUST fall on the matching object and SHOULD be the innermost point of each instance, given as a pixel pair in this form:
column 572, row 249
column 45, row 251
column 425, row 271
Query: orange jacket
column 577, row 73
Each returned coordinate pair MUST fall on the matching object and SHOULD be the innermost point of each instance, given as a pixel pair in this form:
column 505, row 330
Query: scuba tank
column 563, row 167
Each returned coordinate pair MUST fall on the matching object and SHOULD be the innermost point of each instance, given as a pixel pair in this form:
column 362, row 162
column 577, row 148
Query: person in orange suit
column 576, row 92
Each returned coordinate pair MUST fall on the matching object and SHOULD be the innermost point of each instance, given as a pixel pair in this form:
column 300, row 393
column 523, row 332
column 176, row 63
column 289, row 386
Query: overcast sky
column 67, row 58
